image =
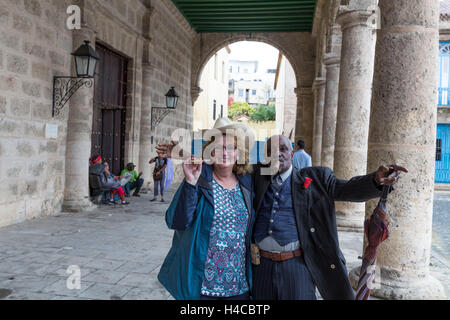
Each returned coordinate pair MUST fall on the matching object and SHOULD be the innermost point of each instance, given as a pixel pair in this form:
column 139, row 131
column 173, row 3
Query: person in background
column 159, row 176
column 96, row 159
column 136, row 182
column 114, row 184
column 301, row 158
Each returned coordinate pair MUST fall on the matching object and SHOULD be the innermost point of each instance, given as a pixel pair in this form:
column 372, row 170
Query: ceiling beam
column 247, row 8
column 227, row 16
column 250, row 23
column 243, row 3
column 247, row 30
column 206, row 11
column 248, row 15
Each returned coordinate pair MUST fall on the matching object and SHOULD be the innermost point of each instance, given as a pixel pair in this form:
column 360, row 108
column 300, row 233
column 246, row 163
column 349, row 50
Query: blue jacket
column 191, row 216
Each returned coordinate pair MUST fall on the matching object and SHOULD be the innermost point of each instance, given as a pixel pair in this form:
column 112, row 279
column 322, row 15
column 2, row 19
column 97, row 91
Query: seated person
column 113, row 184
column 96, row 177
column 136, row 182
column 95, row 160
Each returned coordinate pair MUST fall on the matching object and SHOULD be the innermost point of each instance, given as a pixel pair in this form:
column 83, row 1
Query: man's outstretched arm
column 362, row 188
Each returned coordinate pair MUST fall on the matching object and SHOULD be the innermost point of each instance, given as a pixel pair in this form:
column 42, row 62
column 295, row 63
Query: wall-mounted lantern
column 172, row 99
column 159, row 113
column 65, row 87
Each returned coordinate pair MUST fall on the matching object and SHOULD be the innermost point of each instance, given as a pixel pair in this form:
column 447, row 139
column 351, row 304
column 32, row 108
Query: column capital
column 195, row 93
column 349, row 18
column 332, row 59
column 303, row 91
column 319, row 82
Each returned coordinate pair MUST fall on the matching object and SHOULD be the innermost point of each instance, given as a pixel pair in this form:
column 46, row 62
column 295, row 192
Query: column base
column 78, row 205
column 427, row 288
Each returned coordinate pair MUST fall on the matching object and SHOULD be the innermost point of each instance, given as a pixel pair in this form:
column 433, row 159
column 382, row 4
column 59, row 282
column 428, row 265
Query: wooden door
column 108, row 129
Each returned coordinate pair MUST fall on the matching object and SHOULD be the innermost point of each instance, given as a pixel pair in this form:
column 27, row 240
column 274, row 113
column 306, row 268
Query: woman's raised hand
column 192, row 169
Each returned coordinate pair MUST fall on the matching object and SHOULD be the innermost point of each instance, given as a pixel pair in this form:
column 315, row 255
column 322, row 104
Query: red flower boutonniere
column 307, row 183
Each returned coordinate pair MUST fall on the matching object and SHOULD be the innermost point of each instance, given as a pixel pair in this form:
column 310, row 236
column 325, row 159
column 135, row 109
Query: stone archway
column 297, row 47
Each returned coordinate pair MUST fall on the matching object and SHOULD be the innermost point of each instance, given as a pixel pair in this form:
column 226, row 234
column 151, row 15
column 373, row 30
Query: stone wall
column 170, row 54
column 119, row 26
column 34, row 46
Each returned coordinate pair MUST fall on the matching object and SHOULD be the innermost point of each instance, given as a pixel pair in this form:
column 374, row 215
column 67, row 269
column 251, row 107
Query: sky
column 252, row 50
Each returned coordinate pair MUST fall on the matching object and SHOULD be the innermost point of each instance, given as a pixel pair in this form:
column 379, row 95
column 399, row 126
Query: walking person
column 212, row 215
column 301, row 158
column 159, row 177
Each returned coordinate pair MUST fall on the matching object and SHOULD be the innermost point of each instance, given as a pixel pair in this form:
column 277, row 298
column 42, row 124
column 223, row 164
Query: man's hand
column 164, row 150
column 389, row 175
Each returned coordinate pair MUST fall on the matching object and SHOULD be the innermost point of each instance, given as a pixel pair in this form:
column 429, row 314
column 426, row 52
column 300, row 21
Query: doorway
column 109, row 118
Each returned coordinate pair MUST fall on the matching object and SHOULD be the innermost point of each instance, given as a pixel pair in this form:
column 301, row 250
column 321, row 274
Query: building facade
column 443, row 115
column 247, row 83
column 212, row 102
column 286, row 100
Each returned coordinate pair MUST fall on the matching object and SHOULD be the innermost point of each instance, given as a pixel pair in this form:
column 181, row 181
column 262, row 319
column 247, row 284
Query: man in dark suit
column 295, row 232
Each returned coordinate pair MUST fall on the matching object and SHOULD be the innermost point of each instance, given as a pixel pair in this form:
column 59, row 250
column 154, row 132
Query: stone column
column 332, row 62
column 305, row 113
column 319, row 101
column 403, row 131
column 145, row 149
column 352, row 123
column 79, row 131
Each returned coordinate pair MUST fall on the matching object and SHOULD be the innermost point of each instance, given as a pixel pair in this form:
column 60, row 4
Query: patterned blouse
column 225, row 270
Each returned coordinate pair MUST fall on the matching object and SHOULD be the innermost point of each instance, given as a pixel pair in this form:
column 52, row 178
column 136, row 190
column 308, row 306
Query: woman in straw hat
column 212, row 215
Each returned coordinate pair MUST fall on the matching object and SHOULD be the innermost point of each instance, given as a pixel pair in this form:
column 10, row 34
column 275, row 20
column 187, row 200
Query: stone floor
column 119, row 251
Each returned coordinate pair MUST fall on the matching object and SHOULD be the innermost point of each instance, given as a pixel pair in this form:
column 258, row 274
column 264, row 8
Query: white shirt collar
column 286, row 174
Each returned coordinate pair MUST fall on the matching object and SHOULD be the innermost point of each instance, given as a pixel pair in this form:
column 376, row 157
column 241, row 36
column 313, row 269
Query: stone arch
column 297, row 47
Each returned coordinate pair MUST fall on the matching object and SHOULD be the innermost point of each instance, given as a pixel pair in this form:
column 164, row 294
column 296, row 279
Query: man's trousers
column 285, row 280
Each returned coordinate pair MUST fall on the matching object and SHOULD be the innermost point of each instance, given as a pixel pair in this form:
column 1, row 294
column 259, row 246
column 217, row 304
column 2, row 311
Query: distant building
column 443, row 115
column 213, row 100
column 247, row 83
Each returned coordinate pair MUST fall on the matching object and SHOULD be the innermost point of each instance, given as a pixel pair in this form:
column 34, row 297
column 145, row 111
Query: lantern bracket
column 64, row 88
column 158, row 115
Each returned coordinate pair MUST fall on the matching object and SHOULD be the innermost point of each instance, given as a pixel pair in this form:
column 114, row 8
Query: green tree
column 240, row 108
column 264, row 113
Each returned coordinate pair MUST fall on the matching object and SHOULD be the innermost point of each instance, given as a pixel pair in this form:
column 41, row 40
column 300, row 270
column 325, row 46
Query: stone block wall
column 170, row 54
column 119, row 26
column 34, row 46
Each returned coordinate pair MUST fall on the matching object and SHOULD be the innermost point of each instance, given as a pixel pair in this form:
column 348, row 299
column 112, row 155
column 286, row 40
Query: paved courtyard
column 119, row 251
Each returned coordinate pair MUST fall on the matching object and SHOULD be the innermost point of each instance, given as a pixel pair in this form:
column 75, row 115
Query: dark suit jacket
column 316, row 222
